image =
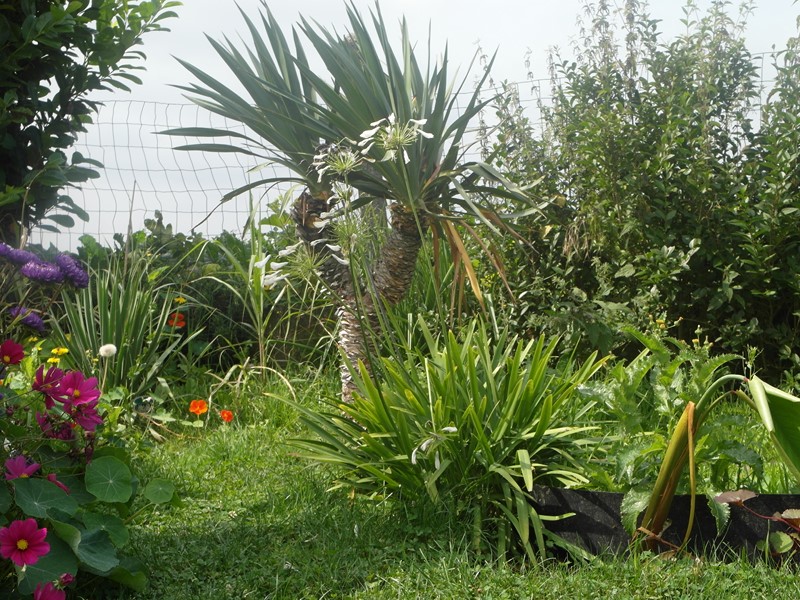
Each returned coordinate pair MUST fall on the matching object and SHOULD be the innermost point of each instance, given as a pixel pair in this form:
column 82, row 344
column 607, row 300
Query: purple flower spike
column 43, row 272
column 73, row 271
column 18, row 257
column 27, row 317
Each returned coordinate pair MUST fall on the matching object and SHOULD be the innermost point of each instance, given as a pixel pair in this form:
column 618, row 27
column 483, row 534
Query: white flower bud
column 107, row 350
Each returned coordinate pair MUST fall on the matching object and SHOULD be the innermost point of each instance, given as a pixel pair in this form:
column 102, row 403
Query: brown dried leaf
column 792, row 516
column 737, row 497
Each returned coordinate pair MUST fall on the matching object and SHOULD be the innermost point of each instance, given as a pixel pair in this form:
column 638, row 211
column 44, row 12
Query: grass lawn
column 256, row 522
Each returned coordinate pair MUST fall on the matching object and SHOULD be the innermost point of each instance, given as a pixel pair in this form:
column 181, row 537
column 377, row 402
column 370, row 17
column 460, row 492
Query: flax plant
column 128, row 306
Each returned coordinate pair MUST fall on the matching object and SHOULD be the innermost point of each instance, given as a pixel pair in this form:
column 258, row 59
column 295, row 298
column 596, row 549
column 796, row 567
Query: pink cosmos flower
column 48, row 384
column 11, row 353
column 85, row 414
column 57, row 430
column 48, row 591
column 18, row 467
column 23, row 542
column 77, row 389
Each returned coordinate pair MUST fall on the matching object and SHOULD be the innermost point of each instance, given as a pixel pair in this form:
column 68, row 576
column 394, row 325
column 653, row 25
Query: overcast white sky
column 509, row 26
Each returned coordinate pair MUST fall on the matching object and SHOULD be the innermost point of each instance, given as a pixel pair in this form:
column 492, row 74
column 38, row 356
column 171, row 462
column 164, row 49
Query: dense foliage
column 670, row 218
column 673, row 188
column 55, row 56
column 67, row 489
column 228, row 312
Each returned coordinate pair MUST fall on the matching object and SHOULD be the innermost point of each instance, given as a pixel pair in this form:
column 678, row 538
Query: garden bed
column 597, row 524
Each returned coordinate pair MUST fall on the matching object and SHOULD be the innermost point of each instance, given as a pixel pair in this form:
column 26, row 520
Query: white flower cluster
column 392, row 137
column 340, row 159
column 386, row 134
column 434, row 438
column 273, row 275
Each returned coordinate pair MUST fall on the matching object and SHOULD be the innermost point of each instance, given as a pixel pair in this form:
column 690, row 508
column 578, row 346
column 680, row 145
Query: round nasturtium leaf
column 97, row 552
column 159, row 491
column 111, row 524
column 39, row 497
column 780, row 543
column 792, row 516
column 736, row 497
column 109, row 479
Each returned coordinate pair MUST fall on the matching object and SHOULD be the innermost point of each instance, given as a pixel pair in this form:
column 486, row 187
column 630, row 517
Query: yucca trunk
column 397, row 261
column 358, row 304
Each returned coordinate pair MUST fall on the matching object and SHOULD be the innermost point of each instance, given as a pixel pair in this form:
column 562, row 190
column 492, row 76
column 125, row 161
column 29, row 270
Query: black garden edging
column 597, row 526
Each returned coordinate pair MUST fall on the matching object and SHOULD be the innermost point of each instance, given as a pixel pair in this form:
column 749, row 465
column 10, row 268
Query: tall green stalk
column 768, row 402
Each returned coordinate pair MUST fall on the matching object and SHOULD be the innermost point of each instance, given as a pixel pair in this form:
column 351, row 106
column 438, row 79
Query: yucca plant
column 474, row 420
column 376, row 128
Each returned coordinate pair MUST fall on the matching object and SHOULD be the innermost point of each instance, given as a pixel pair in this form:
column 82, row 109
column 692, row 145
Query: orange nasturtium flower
column 198, row 407
column 226, row 415
column 176, row 319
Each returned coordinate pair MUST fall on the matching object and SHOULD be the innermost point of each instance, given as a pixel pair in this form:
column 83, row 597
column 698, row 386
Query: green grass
column 255, row 522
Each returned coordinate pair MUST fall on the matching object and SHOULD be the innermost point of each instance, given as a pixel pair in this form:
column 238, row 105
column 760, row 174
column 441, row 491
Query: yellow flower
column 59, row 351
column 180, row 300
column 53, row 360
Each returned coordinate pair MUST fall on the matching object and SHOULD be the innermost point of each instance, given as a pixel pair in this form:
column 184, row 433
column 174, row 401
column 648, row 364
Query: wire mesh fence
column 143, row 173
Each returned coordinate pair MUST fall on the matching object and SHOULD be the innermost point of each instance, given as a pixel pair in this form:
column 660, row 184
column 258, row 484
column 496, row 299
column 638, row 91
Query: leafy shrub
column 56, row 54
column 475, row 421
column 666, row 200
column 59, row 474
column 640, row 401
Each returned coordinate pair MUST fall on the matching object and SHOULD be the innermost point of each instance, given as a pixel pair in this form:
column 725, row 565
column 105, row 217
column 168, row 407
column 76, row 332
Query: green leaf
column 130, row 572
column 780, row 413
column 5, row 498
column 626, row 270
column 159, row 491
column 109, row 479
column 39, row 497
column 111, row 524
column 63, row 220
column 633, row 503
column 780, row 542
column 525, row 465
column 97, row 552
column 720, row 511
